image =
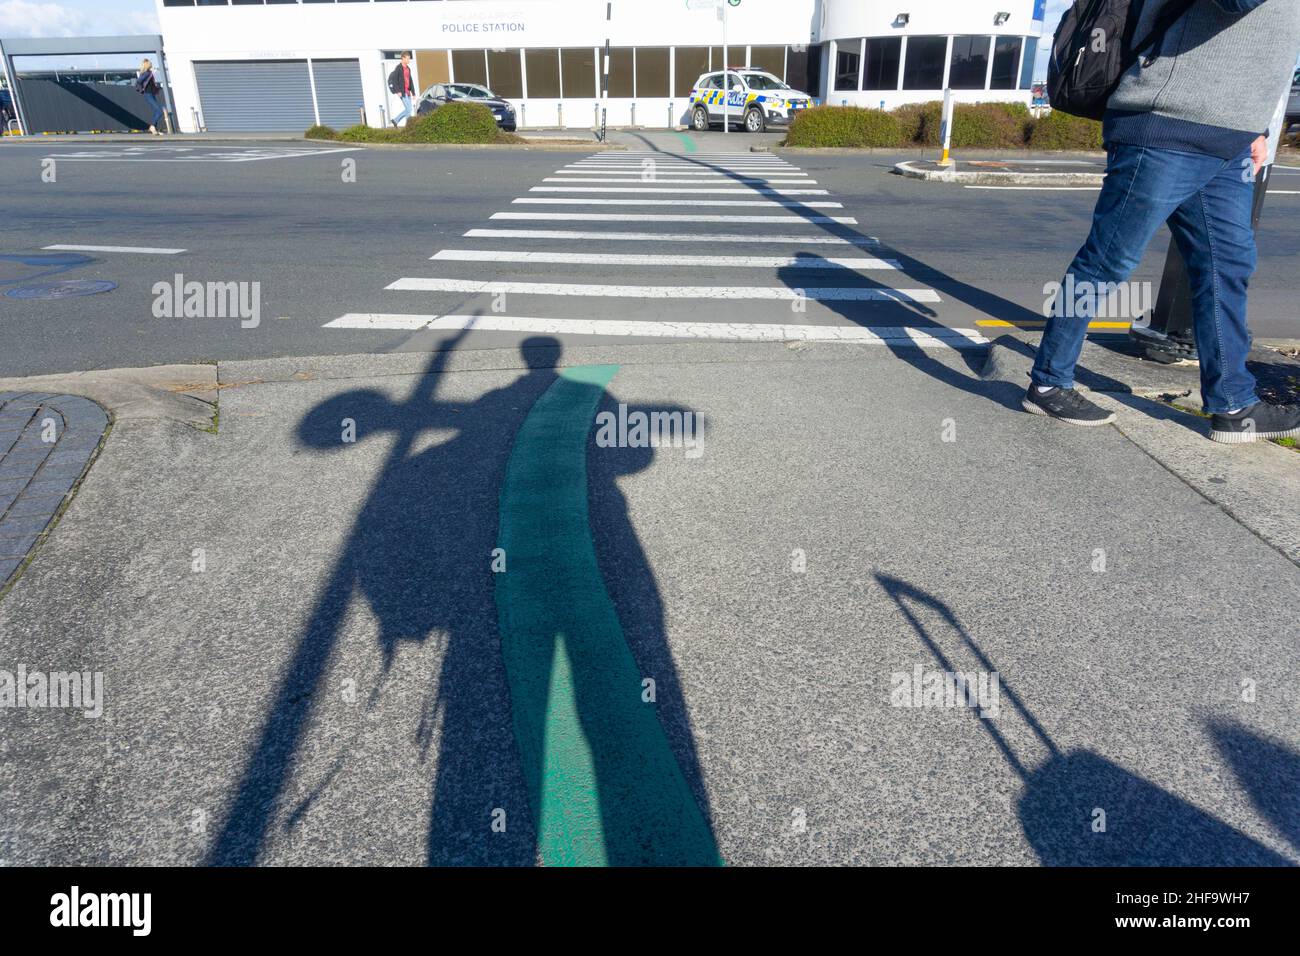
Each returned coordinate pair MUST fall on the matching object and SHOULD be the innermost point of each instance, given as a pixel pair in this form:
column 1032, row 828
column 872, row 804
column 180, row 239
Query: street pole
column 604, row 83
column 726, row 76
column 946, row 132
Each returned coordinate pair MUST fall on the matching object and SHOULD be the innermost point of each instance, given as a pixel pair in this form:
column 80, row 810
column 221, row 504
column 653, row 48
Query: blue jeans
column 1207, row 203
column 158, row 111
column 409, row 103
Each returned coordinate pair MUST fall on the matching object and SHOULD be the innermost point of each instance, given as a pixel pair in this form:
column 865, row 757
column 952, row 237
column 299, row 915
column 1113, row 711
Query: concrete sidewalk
column 308, row 658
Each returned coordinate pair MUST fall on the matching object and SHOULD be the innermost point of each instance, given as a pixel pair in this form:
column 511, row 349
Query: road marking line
column 778, row 293
column 681, row 192
column 1041, row 189
column 930, row 337
column 710, row 262
column 135, row 250
column 670, row 237
column 1039, row 324
column 642, row 172
column 678, row 182
column 765, row 203
column 670, row 217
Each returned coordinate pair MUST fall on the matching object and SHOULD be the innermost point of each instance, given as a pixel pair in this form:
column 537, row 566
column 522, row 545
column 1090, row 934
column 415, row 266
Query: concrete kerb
column 180, row 393
column 914, row 169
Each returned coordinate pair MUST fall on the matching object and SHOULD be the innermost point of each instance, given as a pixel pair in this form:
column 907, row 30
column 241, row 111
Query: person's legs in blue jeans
column 1143, row 188
column 156, row 107
column 408, row 104
column 1215, row 236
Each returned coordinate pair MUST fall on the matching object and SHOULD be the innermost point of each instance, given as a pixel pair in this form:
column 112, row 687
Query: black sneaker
column 1065, row 405
column 1259, row 421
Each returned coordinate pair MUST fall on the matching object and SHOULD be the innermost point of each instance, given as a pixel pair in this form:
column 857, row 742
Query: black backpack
column 1093, row 48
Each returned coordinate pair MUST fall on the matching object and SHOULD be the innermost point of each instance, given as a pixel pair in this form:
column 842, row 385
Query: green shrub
column 1057, row 130
column 912, row 118
column 450, row 123
column 845, row 126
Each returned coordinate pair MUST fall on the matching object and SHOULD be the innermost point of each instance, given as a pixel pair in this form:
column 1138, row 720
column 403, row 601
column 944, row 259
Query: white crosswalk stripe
column 703, row 262
column 937, row 337
column 761, row 203
column 670, row 217
column 741, row 238
column 777, row 293
column 678, row 183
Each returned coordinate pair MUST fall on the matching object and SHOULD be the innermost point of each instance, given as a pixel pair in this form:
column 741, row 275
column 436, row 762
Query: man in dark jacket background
column 402, row 82
column 1185, row 136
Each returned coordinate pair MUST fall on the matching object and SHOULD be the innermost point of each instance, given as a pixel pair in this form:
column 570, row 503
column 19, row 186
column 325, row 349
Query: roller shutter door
column 255, row 95
column 338, row 92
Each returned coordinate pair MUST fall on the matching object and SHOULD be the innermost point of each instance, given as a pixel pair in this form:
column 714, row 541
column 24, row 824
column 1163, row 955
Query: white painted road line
column 134, row 250
column 669, row 217
column 930, row 337
column 668, row 173
column 764, row 203
column 780, row 294
column 720, row 191
column 675, row 167
column 680, row 182
column 705, row 262
column 1040, row 189
column 670, row 237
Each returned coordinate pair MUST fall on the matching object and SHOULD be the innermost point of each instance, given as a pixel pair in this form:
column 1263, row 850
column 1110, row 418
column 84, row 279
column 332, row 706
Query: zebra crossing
column 772, row 218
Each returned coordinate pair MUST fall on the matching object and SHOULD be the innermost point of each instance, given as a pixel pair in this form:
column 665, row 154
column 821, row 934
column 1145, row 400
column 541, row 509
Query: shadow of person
column 1268, row 770
column 1077, row 808
column 421, row 556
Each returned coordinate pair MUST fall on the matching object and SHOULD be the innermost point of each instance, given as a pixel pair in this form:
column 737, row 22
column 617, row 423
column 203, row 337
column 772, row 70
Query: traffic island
column 1006, row 172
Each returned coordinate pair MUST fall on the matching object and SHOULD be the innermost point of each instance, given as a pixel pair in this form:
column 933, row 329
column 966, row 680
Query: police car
column 754, row 98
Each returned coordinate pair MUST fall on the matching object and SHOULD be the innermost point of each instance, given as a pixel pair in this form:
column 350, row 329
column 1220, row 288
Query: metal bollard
column 559, row 112
column 523, row 115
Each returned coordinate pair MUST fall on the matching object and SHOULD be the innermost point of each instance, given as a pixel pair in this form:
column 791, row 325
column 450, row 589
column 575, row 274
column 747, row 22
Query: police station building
column 246, row 65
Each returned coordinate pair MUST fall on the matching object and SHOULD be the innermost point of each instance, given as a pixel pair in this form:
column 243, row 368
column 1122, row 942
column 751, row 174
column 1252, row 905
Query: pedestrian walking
column 402, row 82
column 146, row 84
column 1185, row 134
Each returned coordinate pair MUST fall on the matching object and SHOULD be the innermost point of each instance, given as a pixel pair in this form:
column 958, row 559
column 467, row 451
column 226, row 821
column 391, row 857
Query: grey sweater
column 1212, row 84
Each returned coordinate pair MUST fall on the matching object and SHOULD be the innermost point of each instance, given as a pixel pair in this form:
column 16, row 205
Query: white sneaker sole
column 1030, row 407
column 1245, row 438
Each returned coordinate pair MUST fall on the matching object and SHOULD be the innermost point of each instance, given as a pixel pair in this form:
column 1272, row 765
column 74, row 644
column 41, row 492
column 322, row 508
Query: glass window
column 1027, row 71
column 848, row 61
column 763, row 81
column 797, row 72
column 620, row 71
column 692, row 61
column 881, row 70
column 1006, row 60
column 578, row 69
column 504, row 74
column 768, row 58
column 924, row 67
column 469, row 66
column 543, row 68
column 970, row 63
column 652, row 72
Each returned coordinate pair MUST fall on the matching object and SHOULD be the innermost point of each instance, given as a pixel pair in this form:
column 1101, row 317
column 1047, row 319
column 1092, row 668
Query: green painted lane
column 603, row 784
column 689, row 143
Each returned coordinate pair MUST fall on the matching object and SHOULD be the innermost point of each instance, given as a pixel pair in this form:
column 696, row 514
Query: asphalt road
column 321, row 246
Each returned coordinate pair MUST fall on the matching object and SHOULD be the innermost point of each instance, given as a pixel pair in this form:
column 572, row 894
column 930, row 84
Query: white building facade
column 248, row 65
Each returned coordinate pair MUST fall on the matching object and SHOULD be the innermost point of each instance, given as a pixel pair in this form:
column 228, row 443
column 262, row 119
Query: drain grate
column 67, row 289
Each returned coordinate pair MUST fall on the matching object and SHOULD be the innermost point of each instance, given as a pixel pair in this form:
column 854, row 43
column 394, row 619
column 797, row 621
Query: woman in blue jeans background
column 147, row 85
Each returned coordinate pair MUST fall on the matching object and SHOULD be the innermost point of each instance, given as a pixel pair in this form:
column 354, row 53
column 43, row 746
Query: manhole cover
column 68, row 289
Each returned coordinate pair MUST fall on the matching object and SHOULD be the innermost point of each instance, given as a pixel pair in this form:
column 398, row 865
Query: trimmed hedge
column 1059, row 130
column 844, row 126
column 451, row 123
column 975, row 126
